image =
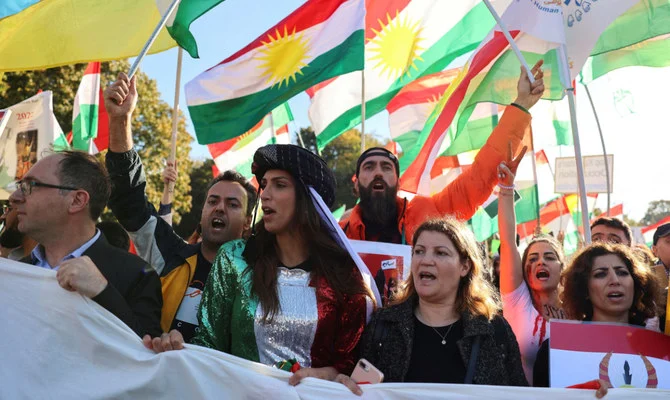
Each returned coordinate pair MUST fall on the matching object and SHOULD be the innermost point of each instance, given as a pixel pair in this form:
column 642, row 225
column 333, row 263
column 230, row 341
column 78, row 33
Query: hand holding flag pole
column 152, row 38
column 510, row 40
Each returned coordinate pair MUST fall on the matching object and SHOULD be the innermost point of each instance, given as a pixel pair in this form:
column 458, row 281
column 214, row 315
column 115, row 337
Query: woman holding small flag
column 605, row 282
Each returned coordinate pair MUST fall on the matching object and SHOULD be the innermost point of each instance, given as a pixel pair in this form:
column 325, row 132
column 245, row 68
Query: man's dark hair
column 234, row 176
column 615, row 223
column 115, row 234
column 84, row 171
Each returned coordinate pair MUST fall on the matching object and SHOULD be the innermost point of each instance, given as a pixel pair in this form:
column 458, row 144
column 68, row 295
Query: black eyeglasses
column 27, row 186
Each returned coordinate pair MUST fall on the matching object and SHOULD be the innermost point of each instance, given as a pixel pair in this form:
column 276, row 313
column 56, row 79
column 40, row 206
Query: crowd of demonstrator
column 282, row 291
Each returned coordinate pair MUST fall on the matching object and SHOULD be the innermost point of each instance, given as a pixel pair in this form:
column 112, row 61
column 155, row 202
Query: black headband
column 378, row 151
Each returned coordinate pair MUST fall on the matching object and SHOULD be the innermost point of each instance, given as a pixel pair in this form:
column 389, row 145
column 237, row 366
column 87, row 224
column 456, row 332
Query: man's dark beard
column 379, row 208
column 11, row 238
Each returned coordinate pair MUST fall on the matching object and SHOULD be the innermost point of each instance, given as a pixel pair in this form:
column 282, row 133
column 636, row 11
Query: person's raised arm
column 511, row 271
column 471, row 188
column 120, row 100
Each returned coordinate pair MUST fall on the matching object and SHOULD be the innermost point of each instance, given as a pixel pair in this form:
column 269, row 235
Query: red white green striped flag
column 237, row 153
column 646, row 27
column 404, row 40
column 491, row 74
column 90, row 126
column 648, row 231
column 320, row 40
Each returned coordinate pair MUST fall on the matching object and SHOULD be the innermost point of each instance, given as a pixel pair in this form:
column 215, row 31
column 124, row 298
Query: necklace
column 444, row 338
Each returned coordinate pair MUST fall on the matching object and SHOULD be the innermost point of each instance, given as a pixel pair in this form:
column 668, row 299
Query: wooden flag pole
column 152, row 38
column 175, row 117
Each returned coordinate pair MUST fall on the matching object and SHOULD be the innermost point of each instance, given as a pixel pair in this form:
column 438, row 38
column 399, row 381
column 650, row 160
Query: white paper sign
column 594, row 174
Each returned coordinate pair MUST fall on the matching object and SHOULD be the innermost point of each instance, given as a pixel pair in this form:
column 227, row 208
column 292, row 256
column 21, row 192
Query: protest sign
column 388, row 263
column 31, row 131
column 623, row 355
column 595, row 174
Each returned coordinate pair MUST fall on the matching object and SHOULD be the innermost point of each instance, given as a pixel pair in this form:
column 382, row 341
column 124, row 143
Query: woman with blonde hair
column 444, row 327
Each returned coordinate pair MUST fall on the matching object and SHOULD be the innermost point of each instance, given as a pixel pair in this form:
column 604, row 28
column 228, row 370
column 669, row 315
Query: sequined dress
column 312, row 326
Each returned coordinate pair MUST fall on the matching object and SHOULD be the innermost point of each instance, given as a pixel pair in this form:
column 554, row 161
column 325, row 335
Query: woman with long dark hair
column 529, row 283
column 605, row 282
column 290, row 293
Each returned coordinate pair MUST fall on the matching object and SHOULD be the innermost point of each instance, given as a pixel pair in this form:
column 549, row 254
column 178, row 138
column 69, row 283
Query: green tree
column 152, row 122
column 656, row 211
column 341, row 155
column 200, row 176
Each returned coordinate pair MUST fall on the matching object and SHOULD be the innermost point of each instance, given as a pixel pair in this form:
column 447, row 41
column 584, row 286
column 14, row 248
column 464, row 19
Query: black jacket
column 155, row 240
column 497, row 363
column 133, row 292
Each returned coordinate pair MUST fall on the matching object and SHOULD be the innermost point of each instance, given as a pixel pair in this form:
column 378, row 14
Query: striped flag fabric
column 318, row 41
column 179, row 22
column 638, row 37
column 404, row 40
column 90, row 126
column 621, row 355
column 491, row 73
column 61, row 32
column 237, row 153
column 648, row 231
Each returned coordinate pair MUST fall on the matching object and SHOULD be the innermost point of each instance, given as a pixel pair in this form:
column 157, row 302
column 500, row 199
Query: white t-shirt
column 530, row 328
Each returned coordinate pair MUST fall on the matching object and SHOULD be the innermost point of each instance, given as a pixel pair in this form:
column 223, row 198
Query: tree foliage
column 341, row 155
column 656, row 211
column 152, row 122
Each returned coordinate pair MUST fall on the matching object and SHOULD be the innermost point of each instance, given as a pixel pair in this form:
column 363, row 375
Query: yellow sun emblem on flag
column 397, row 46
column 283, row 56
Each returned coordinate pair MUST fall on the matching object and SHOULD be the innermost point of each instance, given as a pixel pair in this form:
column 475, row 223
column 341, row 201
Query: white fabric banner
column 58, row 344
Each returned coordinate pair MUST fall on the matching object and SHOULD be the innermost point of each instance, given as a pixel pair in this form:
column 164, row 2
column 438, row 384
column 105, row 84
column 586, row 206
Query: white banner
column 59, row 345
column 29, row 134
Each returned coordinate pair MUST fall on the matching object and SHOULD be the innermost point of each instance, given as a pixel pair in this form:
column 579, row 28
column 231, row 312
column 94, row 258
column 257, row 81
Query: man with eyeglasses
column 57, row 203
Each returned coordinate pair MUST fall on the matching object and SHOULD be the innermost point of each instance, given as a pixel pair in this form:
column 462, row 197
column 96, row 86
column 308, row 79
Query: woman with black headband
column 289, row 293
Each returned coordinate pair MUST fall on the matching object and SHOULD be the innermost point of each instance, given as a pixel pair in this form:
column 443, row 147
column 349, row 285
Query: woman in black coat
column 445, row 327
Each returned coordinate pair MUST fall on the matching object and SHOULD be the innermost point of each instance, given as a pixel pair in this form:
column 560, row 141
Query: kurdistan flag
column 320, row 40
column 90, row 126
column 404, row 40
column 639, row 37
column 237, row 153
column 492, row 72
column 48, row 33
column 179, row 22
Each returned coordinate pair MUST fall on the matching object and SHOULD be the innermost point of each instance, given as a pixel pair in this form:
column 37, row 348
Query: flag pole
column 152, row 38
column 537, row 186
column 272, row 128
column 602, row 141
column 510, row 40
column 362, row 111
column 175, row 117
column 570, row 90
